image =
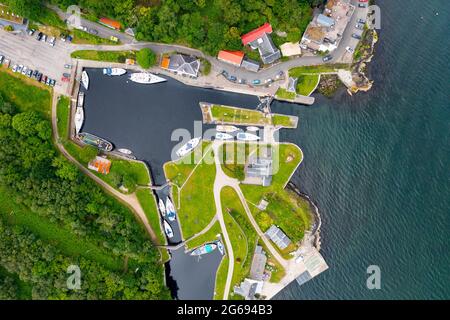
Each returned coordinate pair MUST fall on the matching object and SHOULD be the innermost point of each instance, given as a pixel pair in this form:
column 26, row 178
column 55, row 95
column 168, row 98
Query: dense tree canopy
column 35, row 175
column 210, row 25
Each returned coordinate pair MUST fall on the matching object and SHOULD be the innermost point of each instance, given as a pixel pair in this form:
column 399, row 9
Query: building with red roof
column 260, row 39
column 232, row 57
column 256, row 34
column 113, row 24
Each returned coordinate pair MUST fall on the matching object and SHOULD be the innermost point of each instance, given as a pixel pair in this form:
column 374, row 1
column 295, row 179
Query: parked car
column 19, row 68
column 93, row 31
column 39, row 36
column 256, row 81
column 69, row 38
column 44, row 38
column 356, row 36
column 232, row 78
column 350, row 49
column 52, row 41
column 68, row 66
column 63, row 37
column 14, row 68
column 362, row 21
column 48, row 81
column 24, row 70
column 29, row 73
column 327, row 58
column 65, row 79
column 44, row 79
column 31, row 32
column 115, row 39
column 362, row 5
column 52, row 82
column 242, row 81
column 39, row 76
column 359, row 26
column 67, row 75
column 34, row 74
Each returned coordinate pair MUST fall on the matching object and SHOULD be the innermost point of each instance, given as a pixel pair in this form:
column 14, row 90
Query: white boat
column 207, row 248
column 243, row 136
column 184, row 150
column 80, row 101
column 252, row 129
column 170, row 210
column 168, row 229
column 79, row 119
column 223, row 136
column 146, row 78
column 114, row 71
column 85, row 80
column 162, row 207
column 124, row 151
column 220, row 247
column 226, row 128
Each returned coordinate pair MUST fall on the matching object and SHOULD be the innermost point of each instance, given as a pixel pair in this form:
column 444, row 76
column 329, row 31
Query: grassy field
column 62, row 116
column 221, row 279
column 323, row 68
column 209, row 236
column 231, row 115
column 242, row 235
column 107, row 56
column 276, row 269
column 25, row 92
column 82, row 37
column 235, row 155
column 285, row 209
column 284, row 94
column 195, row 197
column 149, row 205
column 282, row 120
column 307, row 83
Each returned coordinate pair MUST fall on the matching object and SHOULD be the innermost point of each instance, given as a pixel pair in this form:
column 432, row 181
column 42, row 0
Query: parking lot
column 23, row 49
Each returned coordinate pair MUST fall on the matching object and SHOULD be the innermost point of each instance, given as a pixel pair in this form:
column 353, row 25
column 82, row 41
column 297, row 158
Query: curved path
column 130, row 200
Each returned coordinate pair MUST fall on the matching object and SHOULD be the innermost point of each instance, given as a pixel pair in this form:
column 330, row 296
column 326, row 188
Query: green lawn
column 232, row 115
column 221, row 279
column 64, row 239
column 20, row 91
column 307, row 83
column 196, row 198
column 235, row 155
column 107, row 56
column 284, row 94
column 323, row 68
column 285, row 209
column 242, row 235
column 62, row 116
column 148, row 203
column 82, row 37
column 209, row 236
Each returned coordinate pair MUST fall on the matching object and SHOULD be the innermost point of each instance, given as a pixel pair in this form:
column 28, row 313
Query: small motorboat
column 170, row 210
column 223, row 136
column 162, row 207
column 243, row 136
column 125, row 151
column 114, row 71
column 85, row 80
column 227, row 128
column 168, row 229
column 220, row 247
column 252, row 129
column 207, row 248
column 184, row 150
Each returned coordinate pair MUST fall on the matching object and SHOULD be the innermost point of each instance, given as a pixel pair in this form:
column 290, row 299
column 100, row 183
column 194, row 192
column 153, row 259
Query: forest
column 38, row 178
column 209, row 25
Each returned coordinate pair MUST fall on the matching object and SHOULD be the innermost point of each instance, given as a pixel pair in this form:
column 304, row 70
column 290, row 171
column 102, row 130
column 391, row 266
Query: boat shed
column 278, row 237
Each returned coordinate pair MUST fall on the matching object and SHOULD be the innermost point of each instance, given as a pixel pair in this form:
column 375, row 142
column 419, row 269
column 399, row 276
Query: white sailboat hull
column 188, row 147
column 85, row 80
column 146, row 78
column 79, row 119
column 227, row 129
column 223, row 136
column 247, row 137
column 168, row 229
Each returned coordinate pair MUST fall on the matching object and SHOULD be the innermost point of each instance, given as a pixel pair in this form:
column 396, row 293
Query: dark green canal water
column 378, row 165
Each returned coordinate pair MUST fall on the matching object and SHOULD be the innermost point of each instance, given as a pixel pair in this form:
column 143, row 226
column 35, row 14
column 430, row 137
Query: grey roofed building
column 278, row 237
column 249, row 289
column 250, row 65
column 260, row 168
column 258, row 264
column 184, row 65
column 267, row 50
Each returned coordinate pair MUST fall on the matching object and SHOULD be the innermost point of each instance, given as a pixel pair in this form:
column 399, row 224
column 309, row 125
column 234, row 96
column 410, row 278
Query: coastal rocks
column 329, row 84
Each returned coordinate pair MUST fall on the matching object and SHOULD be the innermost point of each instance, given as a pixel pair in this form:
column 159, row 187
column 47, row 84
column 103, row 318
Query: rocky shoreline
column 314, row 233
